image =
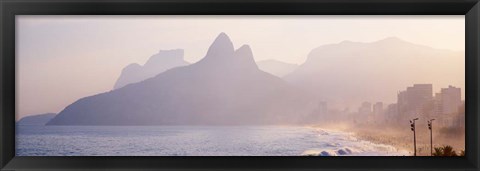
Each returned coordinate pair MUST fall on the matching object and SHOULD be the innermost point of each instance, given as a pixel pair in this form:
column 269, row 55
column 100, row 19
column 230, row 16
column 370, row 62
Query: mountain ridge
column 276, row 67
column 39, row 119
column 225, row 87
column 352, row 72
column 156, row 64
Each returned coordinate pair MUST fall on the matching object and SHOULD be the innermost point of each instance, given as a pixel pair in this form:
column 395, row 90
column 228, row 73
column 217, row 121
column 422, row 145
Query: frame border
column 10, row 8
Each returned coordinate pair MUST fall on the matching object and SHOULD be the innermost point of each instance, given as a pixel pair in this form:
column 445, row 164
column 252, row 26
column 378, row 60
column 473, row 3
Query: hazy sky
column 63, row 58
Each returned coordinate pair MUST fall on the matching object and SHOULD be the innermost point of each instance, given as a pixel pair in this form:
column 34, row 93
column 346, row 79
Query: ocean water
column 192, row 141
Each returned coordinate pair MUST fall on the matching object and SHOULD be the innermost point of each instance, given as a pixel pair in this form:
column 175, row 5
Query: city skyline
column 408, row 105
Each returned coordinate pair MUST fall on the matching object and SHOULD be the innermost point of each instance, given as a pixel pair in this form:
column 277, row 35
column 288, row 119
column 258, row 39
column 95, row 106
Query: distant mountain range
column 168, row 59
column 40, row 119
column 225, row 87
column 228, row 87
column 158, row 63
column 348, row 73
column 277, row 68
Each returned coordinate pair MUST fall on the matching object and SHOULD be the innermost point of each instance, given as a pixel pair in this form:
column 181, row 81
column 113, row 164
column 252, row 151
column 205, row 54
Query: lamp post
column 430, row 123
column 412, row 127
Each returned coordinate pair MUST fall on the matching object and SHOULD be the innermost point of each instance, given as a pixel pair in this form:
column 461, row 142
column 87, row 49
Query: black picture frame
column 10, row 8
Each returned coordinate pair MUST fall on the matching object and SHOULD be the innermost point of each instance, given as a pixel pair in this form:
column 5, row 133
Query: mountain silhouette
column 225, row 88
column 40, row 119
column 348, row 73
column 158, row 63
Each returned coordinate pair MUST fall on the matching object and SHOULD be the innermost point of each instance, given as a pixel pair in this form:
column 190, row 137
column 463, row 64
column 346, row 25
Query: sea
column 193, row 141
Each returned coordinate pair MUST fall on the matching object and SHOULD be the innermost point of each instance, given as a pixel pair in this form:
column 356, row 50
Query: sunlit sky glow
column 63, row 58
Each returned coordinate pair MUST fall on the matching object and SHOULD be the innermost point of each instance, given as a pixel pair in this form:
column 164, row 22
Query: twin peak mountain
column 223, row 54
column 224, row 88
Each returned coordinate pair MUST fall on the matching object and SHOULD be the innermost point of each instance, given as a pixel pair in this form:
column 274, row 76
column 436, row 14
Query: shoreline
column 394, row 141
column 376, row 136
column 401, row 139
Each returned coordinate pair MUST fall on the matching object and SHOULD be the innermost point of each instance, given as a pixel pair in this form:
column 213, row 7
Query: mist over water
column 192, row 141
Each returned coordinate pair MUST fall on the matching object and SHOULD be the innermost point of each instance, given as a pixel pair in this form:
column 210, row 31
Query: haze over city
column 62, row 59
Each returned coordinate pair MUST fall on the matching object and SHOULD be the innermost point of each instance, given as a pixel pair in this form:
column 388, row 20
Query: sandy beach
column 401, row 138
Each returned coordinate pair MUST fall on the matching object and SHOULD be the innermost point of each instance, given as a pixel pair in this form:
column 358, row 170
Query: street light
column 430, row 122
column 412, row 127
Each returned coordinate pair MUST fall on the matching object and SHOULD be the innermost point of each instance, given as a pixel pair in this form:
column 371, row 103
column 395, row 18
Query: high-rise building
column 451, row 99
column 419, row 95
column 378, row 108
column 414, row 99
column 391, row 112
column 447, row 101
column 437, row 104
column 402, row 102
column 366, row 108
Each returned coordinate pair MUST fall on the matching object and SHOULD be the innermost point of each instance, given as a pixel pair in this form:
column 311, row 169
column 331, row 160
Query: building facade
column 413, row 101
column 446, row 105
